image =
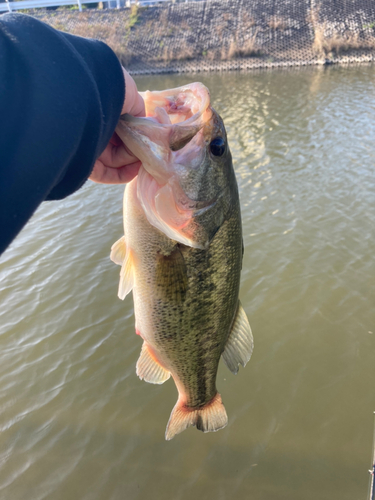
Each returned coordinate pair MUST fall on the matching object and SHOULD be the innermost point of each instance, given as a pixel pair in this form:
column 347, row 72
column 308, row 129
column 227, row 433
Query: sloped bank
column 229, row 34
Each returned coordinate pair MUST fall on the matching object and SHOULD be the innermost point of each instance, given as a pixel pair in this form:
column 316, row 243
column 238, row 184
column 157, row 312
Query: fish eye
column 217, row 146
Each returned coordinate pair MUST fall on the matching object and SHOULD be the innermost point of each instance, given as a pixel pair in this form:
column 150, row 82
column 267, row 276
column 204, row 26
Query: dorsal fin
column 148, row 369
column 240, row 343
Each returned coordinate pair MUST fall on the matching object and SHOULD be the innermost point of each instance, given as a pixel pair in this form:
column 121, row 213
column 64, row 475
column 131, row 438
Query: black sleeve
column 60, row 100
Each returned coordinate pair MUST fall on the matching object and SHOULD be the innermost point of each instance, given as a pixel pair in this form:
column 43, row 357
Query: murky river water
column 77, row 423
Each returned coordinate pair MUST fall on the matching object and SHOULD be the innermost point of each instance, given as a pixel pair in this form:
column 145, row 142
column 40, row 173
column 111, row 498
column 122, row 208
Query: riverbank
column 228, row 34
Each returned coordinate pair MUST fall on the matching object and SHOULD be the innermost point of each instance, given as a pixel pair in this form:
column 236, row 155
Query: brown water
column 76, row 422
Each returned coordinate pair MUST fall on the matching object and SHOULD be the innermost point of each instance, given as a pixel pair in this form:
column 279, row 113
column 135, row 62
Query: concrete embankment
column 228, row 34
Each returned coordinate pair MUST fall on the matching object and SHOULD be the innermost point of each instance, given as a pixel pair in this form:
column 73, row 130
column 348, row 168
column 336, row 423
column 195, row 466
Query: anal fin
column 240, row 343
column 149, row 369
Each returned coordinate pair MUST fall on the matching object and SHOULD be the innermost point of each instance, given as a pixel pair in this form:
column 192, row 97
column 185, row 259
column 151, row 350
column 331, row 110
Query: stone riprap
column 228, row 34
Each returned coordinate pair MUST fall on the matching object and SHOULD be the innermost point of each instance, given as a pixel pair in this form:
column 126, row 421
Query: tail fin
column 209, row 418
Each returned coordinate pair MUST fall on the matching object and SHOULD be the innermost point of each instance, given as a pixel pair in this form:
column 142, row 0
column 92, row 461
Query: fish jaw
column 182, row 104
column 173, row 118
column 149, row 142
column 166, row 205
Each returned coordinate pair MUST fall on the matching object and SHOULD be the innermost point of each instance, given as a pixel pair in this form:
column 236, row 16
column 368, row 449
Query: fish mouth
column 173, row 119
column 180, row 105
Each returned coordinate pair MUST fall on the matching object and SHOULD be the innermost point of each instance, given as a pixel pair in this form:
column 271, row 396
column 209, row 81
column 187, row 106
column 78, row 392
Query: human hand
column 116, row 165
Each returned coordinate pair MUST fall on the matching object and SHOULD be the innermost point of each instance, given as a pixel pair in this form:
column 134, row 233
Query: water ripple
column 75, row 420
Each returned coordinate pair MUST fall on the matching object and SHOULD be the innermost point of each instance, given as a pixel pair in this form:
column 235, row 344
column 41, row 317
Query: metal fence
column 37, row 4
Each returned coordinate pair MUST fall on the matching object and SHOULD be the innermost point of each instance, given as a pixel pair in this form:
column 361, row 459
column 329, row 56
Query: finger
column 116, row 156
column 107, row 175
column 133, row 103
column 139, row 108
column 115, row 139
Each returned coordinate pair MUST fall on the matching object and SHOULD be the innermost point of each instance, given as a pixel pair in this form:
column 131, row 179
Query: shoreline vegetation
column 227, row 34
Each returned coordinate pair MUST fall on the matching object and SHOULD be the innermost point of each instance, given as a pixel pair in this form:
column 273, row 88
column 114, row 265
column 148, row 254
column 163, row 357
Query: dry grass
column 338, row 44
column 163, row 26
column 112, row 34
column 224, row 24
column 248, row 21
column 219, row 30
column 277, row 23
column 248, row 48
column 115, row 34
column 318, row 28
column 138, row 35
column 212, row 54
column 182, row 52
column 318, row 44
column 163, row 17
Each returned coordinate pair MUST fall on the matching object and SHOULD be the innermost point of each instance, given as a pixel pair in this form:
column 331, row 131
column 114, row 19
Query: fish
column 181, row 253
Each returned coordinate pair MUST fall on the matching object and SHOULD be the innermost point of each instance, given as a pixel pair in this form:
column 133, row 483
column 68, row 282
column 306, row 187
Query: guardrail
column 37, row 4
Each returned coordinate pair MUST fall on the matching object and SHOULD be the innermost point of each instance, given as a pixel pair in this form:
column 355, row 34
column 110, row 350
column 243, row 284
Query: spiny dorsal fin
column 208, row 418
column 126, row 275
column 148, row 369
column 118, row 251
column 240, row 343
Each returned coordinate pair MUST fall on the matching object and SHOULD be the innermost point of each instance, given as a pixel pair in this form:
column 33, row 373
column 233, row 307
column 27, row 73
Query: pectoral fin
column 149, row 369
column 240, row 343
column 118, row 251
column 126, row 275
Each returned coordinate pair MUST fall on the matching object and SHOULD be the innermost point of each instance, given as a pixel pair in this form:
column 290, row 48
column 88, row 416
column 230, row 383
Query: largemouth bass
column 182, row 252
